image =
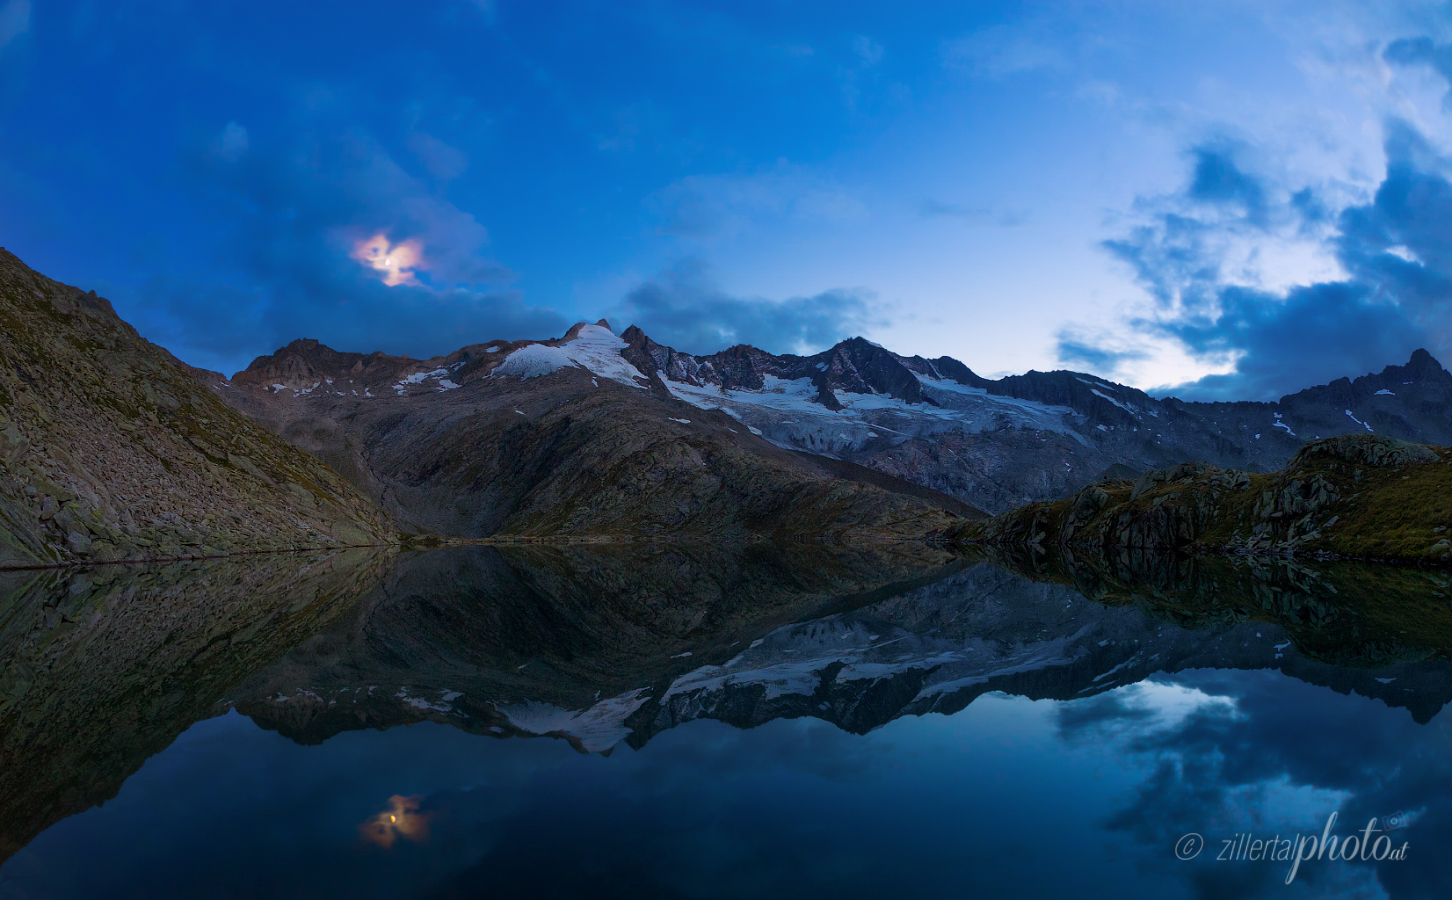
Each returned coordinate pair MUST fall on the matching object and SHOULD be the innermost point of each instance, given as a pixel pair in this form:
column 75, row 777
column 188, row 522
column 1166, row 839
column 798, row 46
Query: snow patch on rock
column 594, row 348
column 598, row 349
column 597, row 727
column 532, row 361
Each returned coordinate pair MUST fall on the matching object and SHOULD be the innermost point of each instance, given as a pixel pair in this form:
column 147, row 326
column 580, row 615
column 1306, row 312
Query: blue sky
column 1237, row 199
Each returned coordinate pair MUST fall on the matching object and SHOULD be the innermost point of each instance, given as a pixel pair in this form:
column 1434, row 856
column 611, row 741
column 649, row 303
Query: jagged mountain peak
column 307, row 361
column 995, row 442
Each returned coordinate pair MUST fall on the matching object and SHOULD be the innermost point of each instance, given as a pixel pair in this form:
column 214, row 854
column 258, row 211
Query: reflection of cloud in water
column 402, row 819
column 1150, row 706
column 1227, row 753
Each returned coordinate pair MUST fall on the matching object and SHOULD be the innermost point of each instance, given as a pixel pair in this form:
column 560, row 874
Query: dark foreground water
column 665, row 723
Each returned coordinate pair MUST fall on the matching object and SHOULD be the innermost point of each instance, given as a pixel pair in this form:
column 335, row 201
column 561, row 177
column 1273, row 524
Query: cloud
column 1001, row 50
column 441, row 160
column 1206, row 258
column 1218, row 179
column 633, row 124
column 1423, row 51
column 867, row 50
column 1266, row 754
column 1096, row 354
column 402, row 819
column 710, row 207
column 396, row 261
column 683, row 308
column 231, row 145
column 299, row 220
column 486, row 8
column 14, row 20
column 1314, row 335
column 1004, row 218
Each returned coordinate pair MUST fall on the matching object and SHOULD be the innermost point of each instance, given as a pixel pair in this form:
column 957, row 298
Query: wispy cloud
column 705, row 207
column 1002, row 50
column 14, row 20
column 440, row 159
column 867, row 50
column 1424, row 51
column 231, row 145
column 1006, row 218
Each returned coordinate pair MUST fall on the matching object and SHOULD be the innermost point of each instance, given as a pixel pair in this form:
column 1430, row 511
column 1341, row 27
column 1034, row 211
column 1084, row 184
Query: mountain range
column 110, row 448
column 401, row 428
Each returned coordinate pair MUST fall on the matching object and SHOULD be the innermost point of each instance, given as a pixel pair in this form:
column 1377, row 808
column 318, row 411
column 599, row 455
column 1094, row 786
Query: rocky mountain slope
column 1358, row 496
column 1001, row 443
column 561, row 437
column 994, row 444
column 110, row 449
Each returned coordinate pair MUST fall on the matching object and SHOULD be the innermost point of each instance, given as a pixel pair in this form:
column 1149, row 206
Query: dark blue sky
column 1159, row 192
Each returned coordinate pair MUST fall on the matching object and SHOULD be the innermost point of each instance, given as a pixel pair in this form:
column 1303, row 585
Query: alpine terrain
column 523, row 431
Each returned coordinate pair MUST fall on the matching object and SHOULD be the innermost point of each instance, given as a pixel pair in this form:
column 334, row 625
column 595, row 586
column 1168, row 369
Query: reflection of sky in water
column 1010, row 797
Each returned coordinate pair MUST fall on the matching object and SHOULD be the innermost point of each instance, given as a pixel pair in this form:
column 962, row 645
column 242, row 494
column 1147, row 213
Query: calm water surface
column 669, row 724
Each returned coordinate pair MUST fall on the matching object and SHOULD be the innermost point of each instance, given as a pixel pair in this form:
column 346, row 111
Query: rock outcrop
column 110, row 448
column 1355, row 496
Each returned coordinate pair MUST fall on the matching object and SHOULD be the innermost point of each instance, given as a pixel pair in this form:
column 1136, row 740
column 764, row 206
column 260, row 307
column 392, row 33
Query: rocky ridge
column 1000, row 443
column 993, row 444
column 561, row 437
column 110, row 448
column 1355, row 496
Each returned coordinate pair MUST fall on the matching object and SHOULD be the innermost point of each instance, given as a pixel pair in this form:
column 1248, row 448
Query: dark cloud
column 1093, row 717
column 683, row 309
column 284, row 268
column 1218, row 179
column 1396, row 251
column 1075, row 350
column 1313, row 336
column 1423, row 51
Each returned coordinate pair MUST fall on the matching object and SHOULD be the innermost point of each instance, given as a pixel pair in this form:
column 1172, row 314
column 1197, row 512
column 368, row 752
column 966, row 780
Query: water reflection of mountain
column 1345, row 613
column 599, row 647
column 492, row 638
column 100, row 669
